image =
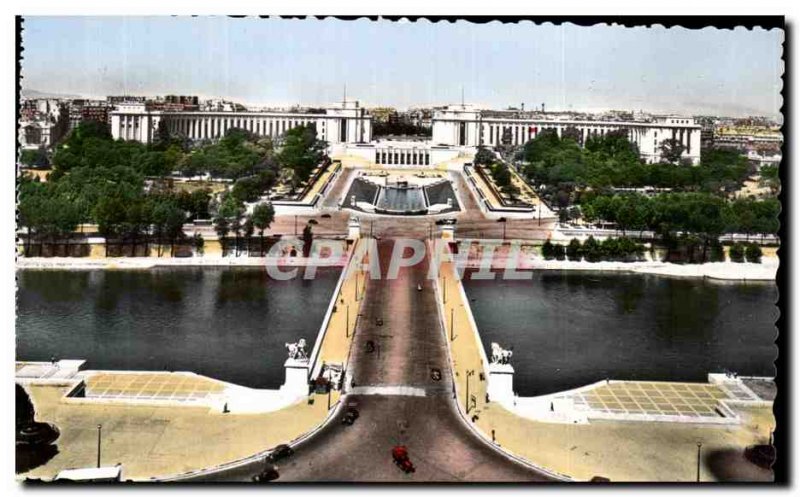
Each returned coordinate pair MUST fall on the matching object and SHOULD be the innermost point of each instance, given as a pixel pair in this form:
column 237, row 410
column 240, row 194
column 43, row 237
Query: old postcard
column 275, row 250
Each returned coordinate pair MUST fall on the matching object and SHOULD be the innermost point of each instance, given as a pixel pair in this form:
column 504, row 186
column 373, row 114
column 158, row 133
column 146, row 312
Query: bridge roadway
column 407, row 345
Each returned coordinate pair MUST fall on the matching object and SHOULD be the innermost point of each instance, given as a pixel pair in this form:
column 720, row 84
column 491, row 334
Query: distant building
column 382, row 114
column 761, row 138
column 81, row 110
column 123, row 99
column 43, row 123
column 467, row 126
column 346, row 123
column 174, row 103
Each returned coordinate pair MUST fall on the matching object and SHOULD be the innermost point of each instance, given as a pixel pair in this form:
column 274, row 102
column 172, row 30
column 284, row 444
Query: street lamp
column 347, row 321
column 503, row 220
column 470, row 372
column 699, row 448
column 452, row 321
column 444, row 290
column 539, row 208
column 99, row 435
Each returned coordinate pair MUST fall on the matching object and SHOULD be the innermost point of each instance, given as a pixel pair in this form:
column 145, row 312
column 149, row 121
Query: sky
column 408, row 64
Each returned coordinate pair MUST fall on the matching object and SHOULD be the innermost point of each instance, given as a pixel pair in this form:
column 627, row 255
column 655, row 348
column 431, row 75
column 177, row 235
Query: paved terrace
column 619, row 450
column 160, row 440
column 659, row 401
column 150, row 386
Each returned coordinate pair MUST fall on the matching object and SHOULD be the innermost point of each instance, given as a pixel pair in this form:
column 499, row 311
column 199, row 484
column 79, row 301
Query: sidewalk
column 621, row 451
column 155, row 442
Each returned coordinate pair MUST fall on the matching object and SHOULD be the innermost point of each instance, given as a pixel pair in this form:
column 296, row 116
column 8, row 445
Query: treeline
column 565, row 168
column 122, row 186
column 115, row 200
column 670, row 213
column 741, row 252
column 611, row 249
column 624, row 249
column 232, row 219
column 242, row 155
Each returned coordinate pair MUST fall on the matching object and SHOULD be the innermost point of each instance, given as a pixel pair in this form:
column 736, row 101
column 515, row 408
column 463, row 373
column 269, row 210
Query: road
column 407, row 346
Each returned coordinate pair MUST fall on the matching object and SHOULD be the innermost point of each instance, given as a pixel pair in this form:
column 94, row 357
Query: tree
column 36, row 157
column 558, row 252
column 263, row 215
column 592, row 251
column 717, row 253
column 168, row 221
column 753, row 253
column 736, row 252
column 247, row 230
column 109, row 212
column 228, row 218
column 301, row 151
column 308, row 239
column 574, row 252
column 222, row 227
column 162, row 137
column 199, row 243
column 547, row 250
column 671, row 150
column 484, row 157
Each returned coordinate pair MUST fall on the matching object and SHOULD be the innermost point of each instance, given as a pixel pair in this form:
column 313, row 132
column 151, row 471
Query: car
column 350, row 416
column 281, row 451
column 401, row 459
column 269, row 473
column 325, row 216
column 762, row 456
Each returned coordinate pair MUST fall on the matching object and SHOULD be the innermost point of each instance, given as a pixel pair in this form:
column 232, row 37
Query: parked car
column 281, row 451
column 762, row 456
column 350, row 416
column 269, row 473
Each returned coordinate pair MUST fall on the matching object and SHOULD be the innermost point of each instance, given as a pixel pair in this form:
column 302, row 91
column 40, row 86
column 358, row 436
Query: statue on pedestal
column 500, row 355
column 297, row 350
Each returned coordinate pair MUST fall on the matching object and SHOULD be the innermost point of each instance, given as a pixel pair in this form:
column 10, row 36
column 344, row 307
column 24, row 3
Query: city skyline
column 568, row 68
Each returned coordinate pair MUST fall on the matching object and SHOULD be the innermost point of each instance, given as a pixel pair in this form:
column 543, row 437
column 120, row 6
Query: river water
column 227, row 323
column 569, row 329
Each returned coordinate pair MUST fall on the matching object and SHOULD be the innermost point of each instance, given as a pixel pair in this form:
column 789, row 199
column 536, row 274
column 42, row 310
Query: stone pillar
column 296, row 380
column 500, row 385
column 353, row 228
column 448, row 230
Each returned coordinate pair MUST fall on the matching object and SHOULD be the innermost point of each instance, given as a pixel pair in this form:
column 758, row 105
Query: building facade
column 349, row 123
column 43, row 123
column 464, row 126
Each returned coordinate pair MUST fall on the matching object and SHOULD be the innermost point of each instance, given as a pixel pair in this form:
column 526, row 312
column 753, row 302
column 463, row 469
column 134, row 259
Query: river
column 227, row 323
column 568, row 329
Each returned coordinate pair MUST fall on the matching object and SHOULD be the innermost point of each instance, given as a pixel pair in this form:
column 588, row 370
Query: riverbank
column 528, row 258
column 80, row 263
